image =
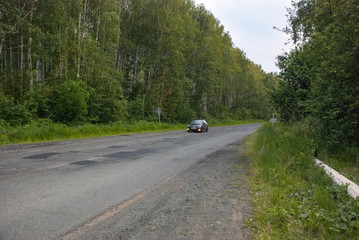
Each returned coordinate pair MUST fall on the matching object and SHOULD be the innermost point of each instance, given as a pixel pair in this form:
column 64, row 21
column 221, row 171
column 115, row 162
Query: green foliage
column 291, row 96
column 13, row 113
column 136, row 109
column 320, row 76
column 69, row 102
column 346, row 162
column 106, row 104
column 294, row 199
column 42, row 130
column 46, row 130
column 111, row 110
column 37, row 102
column 130, row 57
column 319, row 84
column 221, row 112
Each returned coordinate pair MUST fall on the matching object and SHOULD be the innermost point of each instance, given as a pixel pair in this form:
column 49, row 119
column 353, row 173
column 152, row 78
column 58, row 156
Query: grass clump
column 293, row 198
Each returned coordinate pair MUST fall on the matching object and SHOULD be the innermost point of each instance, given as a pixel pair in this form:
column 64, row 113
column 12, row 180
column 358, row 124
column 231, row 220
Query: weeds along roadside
column 345, row 162
column 293, row 198
column 45, row 130
column 48, row 131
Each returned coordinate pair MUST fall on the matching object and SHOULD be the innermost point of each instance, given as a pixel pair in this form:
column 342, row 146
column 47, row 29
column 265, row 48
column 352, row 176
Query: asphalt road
column 48, row 190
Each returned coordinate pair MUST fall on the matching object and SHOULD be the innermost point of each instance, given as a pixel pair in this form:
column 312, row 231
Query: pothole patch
column 42, row 155
column 84, row 163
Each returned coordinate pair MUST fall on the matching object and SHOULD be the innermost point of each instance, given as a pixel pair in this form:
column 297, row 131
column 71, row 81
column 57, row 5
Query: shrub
column 13, row 113
column 36, row 101
column 69, row 102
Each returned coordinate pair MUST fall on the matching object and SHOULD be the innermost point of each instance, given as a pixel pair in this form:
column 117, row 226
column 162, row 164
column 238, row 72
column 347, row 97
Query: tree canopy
column 321, row 75
column 101, row 61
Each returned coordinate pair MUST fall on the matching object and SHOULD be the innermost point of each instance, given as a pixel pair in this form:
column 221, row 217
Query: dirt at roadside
column 209, row 200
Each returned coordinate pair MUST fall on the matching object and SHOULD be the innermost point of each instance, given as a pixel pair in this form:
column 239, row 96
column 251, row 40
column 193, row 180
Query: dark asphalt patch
column 127, row 154
column 168, row 140
column 42, row 155
column 84, row 163
column 119, row 146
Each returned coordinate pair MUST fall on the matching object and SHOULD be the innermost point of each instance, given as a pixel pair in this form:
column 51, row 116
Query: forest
column 320, row 76
column 103, row 61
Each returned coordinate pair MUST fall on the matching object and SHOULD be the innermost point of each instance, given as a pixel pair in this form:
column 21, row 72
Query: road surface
column 48, row 190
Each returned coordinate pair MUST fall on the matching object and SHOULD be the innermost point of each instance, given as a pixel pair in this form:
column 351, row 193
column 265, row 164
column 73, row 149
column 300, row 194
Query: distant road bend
column 50, row 190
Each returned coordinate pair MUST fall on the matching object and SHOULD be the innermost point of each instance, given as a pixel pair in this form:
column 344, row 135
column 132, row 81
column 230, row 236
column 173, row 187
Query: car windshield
column 196, row 122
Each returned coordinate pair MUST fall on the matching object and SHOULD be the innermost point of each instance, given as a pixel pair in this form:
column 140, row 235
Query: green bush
column 37, row 101
column 221, row 112
column 136, row 109
column 69, row 102
column 112, row 110
column 13, row 113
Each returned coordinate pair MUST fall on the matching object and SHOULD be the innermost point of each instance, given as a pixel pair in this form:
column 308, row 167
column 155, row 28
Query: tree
column 69, row 102
column 326, row 33
column 130, row 56
column 291, row 98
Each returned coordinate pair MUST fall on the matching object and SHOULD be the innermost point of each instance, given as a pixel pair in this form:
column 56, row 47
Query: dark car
column 197, row 126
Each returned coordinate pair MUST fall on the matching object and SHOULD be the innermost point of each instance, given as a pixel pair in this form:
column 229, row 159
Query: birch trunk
column 2, row 43
column 78, row 46
column 118, row 50
column 39, row 69
column 21, row 65
column 29, row 57
column 10, row 56
column 103, row 49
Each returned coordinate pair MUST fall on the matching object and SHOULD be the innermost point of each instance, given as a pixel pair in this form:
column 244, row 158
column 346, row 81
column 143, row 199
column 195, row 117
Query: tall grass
column 49, row 131
column 46, row 130
column 346, row 162
column 293, row 198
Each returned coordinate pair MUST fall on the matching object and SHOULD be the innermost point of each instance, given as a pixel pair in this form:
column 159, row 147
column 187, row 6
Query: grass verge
column 45, row 130
column 292, row 198
column 48, row 131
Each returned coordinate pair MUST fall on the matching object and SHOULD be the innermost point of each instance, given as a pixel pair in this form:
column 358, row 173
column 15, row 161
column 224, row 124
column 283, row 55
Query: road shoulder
column 209, row 200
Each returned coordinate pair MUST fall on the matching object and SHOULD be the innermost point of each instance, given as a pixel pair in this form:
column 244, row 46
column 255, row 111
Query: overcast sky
column 250, row 24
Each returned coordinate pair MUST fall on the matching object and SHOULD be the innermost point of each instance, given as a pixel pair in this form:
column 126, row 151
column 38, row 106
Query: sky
column 250, row 24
